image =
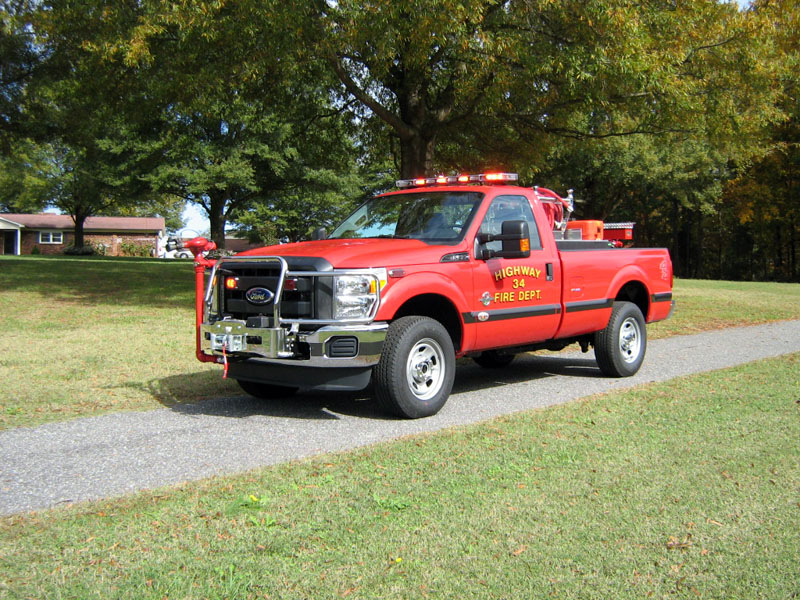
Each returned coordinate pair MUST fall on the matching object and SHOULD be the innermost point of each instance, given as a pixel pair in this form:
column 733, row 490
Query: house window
column 51, row 237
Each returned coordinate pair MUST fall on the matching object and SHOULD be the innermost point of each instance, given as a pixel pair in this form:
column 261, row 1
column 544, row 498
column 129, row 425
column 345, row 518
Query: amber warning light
column 456, row 179
column 231, row 283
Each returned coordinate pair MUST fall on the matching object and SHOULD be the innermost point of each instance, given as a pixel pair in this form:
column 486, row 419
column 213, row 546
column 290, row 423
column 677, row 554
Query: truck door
column 516, row 300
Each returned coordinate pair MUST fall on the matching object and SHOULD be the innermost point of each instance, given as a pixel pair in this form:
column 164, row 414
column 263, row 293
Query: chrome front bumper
column 328, row 346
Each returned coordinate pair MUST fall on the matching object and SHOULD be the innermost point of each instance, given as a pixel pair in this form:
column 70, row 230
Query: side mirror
column 319, row 234
column 516, row 240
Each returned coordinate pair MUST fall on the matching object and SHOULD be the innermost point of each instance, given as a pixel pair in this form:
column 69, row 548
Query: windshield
column 440, row 217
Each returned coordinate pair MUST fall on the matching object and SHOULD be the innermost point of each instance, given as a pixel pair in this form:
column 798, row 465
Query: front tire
column 621, row 346
column 416, row 370
column 266, row 391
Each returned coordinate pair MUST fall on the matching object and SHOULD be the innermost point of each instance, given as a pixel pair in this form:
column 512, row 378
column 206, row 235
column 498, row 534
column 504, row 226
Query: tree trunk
column 79, row 217
column 676, row 246
column 416, row 156
column 217, row 219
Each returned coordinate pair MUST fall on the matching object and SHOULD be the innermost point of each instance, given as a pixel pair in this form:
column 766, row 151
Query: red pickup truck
column 443, row 268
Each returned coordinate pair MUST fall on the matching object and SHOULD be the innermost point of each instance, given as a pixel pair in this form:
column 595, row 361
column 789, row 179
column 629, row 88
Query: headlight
column 356, row 296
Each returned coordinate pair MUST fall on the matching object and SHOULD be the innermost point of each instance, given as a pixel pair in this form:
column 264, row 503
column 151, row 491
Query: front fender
column 421, row 283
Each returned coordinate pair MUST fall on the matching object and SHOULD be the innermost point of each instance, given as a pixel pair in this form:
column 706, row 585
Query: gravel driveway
column 116, row 454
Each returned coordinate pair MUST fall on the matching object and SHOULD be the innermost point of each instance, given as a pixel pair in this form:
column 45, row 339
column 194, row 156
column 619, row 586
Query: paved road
column 116, row 454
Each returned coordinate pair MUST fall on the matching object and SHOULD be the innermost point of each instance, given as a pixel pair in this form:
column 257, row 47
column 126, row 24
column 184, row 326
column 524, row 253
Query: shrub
column 85, row 250
column 131, row 249
column 36, row 250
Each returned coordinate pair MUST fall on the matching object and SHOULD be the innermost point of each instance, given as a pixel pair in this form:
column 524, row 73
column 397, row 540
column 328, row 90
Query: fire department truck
column 446, row 267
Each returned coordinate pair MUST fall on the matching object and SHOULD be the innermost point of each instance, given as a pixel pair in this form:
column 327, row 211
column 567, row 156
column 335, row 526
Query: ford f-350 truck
column 443, row 268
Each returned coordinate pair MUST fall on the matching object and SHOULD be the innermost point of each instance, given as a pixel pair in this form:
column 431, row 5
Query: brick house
column 51, row 234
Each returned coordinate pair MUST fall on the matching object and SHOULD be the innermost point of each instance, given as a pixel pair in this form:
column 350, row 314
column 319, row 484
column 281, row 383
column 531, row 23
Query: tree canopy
column 275, row 117
column 493, row 80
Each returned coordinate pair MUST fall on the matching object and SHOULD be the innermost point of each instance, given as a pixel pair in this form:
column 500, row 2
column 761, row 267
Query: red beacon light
column 501, row 177
column 456, row 179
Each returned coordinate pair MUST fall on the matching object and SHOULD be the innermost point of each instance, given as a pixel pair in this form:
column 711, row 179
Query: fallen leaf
column 519, row 550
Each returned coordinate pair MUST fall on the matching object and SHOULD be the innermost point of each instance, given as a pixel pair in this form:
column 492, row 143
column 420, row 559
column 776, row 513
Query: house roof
column 52, row 221
column 6, row 220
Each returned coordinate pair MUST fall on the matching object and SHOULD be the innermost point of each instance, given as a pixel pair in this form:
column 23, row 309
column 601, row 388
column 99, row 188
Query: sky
column 195, row 218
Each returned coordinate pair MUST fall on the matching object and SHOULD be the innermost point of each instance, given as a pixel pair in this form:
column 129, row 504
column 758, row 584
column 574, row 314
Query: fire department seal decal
column 259, row 295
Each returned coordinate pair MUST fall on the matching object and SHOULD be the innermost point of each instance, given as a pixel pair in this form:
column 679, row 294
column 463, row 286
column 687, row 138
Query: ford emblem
column 259, row 295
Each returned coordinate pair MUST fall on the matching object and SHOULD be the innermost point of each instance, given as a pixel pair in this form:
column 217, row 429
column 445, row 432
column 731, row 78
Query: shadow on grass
column 204, row 393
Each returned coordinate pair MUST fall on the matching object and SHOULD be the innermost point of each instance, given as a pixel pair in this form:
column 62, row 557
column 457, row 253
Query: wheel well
column 438, row 308
column 634, row 291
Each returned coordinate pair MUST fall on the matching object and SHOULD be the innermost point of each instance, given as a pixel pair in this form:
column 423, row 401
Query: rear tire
column 416, row 370
column 621, row 346
column 493, row 359
column 266, row 391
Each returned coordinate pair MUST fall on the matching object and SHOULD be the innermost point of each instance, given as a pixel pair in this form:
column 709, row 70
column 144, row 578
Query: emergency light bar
column 456, row 179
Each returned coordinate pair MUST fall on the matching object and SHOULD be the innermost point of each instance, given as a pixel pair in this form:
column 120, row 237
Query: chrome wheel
column 425, row 370
column 630, row 340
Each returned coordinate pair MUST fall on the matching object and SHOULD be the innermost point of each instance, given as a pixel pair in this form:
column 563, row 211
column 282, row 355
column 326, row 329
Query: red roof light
column 501, row 176
column 454, row 179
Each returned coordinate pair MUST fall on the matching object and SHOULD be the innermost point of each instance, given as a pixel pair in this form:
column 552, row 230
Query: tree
column 18, row 61
column 84, row 103
column 761, row 210
column 167, row 206
column 26, row 177
column 504, row 77
column 668, row 185
column 241, row 128
column 220, row 156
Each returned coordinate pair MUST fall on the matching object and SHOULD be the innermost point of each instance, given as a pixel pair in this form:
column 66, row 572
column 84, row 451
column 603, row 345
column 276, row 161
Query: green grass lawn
column 85, row 336
column 94, row 336
column 684, row 489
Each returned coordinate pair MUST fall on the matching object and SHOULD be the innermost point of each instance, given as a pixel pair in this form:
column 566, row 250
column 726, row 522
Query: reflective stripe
column 513, row 313
column 590, row 305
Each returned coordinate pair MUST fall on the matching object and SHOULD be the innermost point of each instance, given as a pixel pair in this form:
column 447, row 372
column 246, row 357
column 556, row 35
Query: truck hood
column 362, row 253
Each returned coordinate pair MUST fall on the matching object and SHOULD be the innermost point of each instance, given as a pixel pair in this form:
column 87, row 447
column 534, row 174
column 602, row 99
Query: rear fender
column 634, row 278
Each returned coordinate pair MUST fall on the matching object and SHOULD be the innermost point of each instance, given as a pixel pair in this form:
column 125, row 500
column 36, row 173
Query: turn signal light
column 231, row 283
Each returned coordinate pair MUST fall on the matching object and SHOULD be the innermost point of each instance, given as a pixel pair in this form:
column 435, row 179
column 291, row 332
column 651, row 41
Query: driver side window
column 509, row 208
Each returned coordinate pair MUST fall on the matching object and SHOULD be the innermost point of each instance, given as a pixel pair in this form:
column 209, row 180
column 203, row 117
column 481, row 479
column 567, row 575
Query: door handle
column 548, row 267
